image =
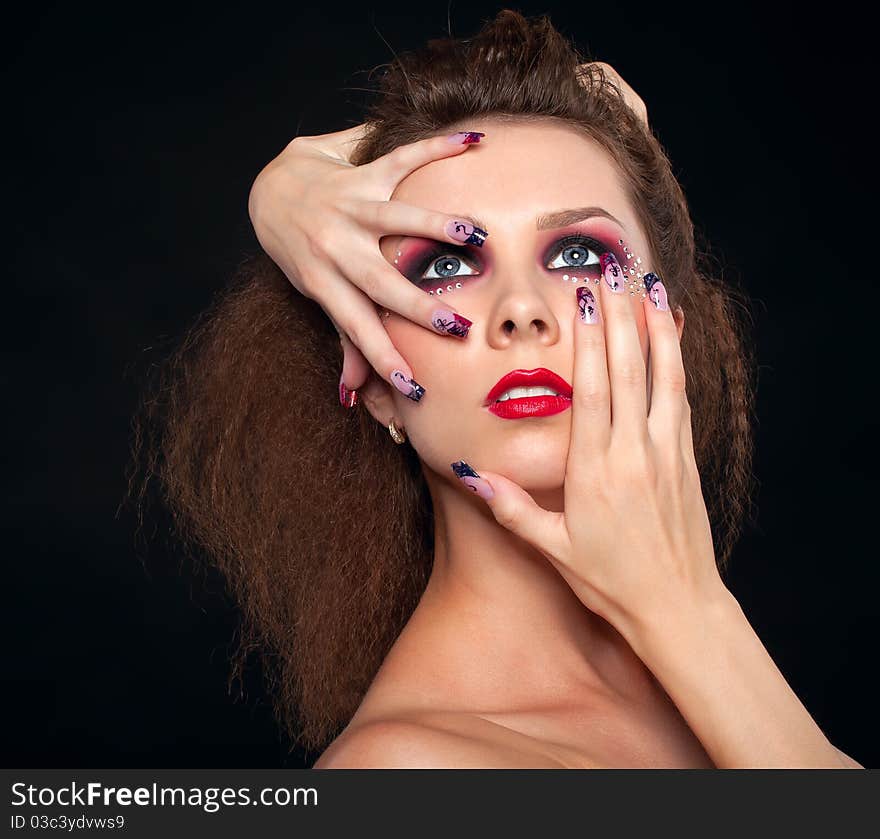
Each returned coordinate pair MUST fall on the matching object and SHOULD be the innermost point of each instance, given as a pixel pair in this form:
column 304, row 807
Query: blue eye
column 444, row 266
column 578, row 252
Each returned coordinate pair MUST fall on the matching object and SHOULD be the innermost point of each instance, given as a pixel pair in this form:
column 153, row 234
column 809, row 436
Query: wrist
column 676, row 624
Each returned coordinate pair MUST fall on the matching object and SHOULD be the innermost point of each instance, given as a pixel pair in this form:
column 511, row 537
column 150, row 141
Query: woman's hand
column 634, row 539
column 321, row 219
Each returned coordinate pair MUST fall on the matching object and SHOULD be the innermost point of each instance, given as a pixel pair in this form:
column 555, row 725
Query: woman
column 454, row 572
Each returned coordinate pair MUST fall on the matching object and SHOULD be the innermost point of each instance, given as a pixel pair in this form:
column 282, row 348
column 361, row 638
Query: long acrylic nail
column 410, row 388
column 586, row 305
column 463, row 231
column 465, row 137
column 471, row 479
column 448, row 322
column 347, row 398
column 612, row 271
column 656, row 291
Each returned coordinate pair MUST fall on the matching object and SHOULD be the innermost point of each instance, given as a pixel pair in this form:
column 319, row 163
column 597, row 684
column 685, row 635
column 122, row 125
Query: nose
column 520, row 310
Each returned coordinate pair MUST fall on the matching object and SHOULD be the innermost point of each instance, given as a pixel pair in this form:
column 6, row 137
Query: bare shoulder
column 426, row 743
column 848, row 762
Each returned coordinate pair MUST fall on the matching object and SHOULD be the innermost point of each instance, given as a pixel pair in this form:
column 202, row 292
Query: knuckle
column 371, row 281
column 632, row 373
column 590, row 396
column 674, row 380
column 321, row 241
column 374, row 213
column 507, row 517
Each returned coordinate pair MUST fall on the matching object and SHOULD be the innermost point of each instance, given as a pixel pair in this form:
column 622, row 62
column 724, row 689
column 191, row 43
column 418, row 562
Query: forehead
column 518, row 171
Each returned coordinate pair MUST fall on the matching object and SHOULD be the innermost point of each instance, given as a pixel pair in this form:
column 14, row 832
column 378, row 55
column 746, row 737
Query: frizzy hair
column 321, row 525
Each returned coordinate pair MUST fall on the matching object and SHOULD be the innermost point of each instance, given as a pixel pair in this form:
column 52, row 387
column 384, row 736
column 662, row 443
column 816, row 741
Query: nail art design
column 466, row 137
column 450, row 323
column 586, row 305
column 347, row 398
column 656, row 291
column 471, row 479
column 461, row 231
column 612, row 271
column 410, row 388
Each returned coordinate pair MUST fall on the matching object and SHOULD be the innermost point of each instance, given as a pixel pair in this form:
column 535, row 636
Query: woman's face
column 518, row 289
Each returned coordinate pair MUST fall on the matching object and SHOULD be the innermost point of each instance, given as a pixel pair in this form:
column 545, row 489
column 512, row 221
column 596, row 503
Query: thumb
column 516, row 510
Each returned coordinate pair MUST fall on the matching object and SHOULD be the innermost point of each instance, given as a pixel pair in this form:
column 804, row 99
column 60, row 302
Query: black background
column 132, row 140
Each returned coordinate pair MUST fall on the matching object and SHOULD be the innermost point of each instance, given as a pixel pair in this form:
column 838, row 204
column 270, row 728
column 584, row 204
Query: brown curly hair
column 290, row 496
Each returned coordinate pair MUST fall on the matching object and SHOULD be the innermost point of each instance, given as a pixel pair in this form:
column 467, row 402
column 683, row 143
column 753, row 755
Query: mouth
column 529, row 393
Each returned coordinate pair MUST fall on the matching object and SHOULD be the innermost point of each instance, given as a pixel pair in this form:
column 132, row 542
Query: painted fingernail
column 461, row 231
column 448, row 322
column 656, row 291
column 586, row 305
column 410, row 388
column 347, row 398
column 465, row 137
column 470, row 478
column 612, row 271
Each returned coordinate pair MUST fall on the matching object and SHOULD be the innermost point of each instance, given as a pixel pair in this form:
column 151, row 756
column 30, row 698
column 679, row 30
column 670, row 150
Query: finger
column 667, row 368
column 354, row 314
column 355, row 368
column 516, row 510
column 385, row 285
column 627, row 372
column 390, row 169
column 386, row 217
column 591, row 389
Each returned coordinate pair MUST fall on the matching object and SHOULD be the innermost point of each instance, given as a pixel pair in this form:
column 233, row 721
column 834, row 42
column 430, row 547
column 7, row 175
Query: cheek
column 431, row 359
column 440, row 364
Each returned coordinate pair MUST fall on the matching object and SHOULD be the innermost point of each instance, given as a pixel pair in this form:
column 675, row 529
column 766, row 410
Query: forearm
column 726, row 686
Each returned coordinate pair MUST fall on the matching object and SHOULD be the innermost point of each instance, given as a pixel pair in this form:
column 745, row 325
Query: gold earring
column 396, row 433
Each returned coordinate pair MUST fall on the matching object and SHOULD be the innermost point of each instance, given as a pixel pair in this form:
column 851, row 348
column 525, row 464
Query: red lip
column 541, row 377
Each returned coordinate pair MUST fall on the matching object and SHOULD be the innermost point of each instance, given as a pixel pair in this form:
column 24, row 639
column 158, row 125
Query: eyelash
column 585, row 241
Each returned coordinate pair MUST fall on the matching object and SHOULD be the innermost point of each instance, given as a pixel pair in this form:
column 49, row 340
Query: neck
column 498, row 628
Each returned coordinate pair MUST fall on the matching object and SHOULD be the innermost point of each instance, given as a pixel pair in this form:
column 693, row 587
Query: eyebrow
column 560, row 218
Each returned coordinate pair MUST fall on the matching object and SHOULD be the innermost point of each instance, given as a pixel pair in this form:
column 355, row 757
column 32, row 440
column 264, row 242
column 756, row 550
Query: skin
column 501, row 664
column 600, row 635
